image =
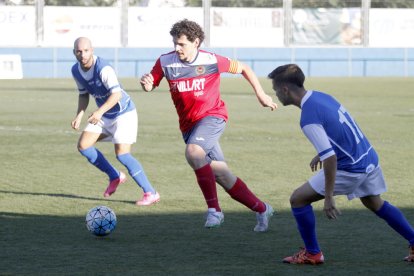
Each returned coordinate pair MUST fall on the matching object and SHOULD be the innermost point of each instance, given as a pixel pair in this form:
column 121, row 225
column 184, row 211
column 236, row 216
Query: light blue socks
column 96, row 158
column 136, row 171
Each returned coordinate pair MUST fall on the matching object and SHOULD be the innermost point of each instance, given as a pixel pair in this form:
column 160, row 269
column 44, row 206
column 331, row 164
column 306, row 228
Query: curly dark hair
column 188, row 28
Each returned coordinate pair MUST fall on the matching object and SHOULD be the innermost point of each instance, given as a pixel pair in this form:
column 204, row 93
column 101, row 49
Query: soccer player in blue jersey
column 348, row 162
column 115, row 120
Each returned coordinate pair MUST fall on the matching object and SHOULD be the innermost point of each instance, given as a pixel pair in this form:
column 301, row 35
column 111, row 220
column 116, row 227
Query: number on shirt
column 345, row 118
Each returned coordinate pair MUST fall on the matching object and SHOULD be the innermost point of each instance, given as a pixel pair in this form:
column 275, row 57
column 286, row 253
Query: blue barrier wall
column 316, row 62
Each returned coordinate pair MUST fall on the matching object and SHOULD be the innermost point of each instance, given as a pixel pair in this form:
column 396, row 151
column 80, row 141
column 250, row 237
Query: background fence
column 355, row 39
column 315, row 61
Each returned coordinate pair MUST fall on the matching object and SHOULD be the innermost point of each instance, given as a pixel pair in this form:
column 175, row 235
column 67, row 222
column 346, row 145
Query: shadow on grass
column 38, row 88
column 61, row 195
column 178, row 244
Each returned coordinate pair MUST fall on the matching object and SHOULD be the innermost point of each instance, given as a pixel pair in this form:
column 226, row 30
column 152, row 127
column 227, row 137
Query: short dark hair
column 188, row 28
column 288, row 73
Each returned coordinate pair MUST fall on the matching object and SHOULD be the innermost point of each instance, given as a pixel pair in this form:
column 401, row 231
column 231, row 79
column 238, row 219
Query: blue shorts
column 206, row 134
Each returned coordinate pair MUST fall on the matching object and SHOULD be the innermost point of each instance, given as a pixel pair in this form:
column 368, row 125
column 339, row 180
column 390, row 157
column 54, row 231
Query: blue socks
column 305, row 219
column 136, row 171
column 96, row 158
column 394, row 217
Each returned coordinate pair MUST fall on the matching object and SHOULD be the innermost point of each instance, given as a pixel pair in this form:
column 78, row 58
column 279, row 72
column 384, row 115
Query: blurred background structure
column 326, row 37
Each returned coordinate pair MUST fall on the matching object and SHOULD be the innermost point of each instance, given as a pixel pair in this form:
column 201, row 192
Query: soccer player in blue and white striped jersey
column 348, row 162
column 114, row 120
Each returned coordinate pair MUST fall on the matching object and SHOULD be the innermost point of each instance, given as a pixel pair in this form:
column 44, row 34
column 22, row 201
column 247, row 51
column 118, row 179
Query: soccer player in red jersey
column 193, row 76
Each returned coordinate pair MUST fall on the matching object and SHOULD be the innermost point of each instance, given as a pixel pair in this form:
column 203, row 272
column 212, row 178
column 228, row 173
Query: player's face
column 185, row 49
column 281, row 93
column 84, row 54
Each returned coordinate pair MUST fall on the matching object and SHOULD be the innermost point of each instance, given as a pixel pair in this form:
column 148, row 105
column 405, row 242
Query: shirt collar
column 306, row 97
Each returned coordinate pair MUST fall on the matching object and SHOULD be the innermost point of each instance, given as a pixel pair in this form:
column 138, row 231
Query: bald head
column 82, row 42
column 83, row 51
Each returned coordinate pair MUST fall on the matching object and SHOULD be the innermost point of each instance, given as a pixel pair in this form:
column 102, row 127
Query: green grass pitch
column 46, row 186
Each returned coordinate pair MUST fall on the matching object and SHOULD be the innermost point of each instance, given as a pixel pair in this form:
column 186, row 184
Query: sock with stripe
column 96, row 158
column 136, row 171
column 207, row 182
column 241, row 193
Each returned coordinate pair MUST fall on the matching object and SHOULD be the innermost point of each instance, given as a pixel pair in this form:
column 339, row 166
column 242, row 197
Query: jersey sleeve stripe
column 234, row 67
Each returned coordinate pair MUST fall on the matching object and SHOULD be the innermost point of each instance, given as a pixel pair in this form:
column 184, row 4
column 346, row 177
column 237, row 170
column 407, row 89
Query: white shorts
column 120, row 130
column 353, row 185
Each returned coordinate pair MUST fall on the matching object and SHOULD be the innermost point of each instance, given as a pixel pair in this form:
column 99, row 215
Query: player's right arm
column 147, row 82
column 151, row 80
column 264, row 99
column 82, row 105
column 237, row 67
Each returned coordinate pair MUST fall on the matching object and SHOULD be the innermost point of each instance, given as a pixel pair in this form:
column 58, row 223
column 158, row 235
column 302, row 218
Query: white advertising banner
column 391, row 27
column 17, row 26
column 62, row 25
column 326, row 26
column 150, row 27
column 246, row 27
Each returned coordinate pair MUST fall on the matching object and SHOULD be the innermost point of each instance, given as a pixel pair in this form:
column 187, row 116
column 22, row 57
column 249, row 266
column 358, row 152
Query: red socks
column 242, row 194
column 207, row 182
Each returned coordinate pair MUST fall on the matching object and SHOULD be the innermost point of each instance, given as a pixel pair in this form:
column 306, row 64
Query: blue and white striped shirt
column 332, row 130
column 100, row 81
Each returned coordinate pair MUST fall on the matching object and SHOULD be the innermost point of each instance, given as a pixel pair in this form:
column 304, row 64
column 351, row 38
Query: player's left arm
column 326, row 158
column 251, row 77
column 113, row 99
column 329, row 169
column 110, row 81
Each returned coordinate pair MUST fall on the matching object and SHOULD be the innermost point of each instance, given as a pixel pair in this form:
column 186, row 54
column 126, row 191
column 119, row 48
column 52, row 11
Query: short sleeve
column 157, row 72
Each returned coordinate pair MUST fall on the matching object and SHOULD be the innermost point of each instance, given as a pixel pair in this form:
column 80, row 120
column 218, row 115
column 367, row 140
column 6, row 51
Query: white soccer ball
column 101, row 220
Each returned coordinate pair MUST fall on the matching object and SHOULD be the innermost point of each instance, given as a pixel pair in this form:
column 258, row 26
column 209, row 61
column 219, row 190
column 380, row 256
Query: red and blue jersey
column 195, row 86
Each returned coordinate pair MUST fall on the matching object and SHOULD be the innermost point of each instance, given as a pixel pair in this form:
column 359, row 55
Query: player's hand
column 315, row 162
column 75, row 124
column 330, row 209
column 147, row 82
column 267, row 101
column 95, row 118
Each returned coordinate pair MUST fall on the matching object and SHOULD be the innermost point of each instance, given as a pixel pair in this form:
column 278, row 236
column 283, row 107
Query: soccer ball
column 101, row 220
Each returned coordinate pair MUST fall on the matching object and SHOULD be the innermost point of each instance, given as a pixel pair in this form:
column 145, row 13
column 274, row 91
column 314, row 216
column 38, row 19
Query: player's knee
column 193, row 150
column 226, row 180
column 373, row 203
column 195, row 155
column 80, row 147
column 295, row 200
